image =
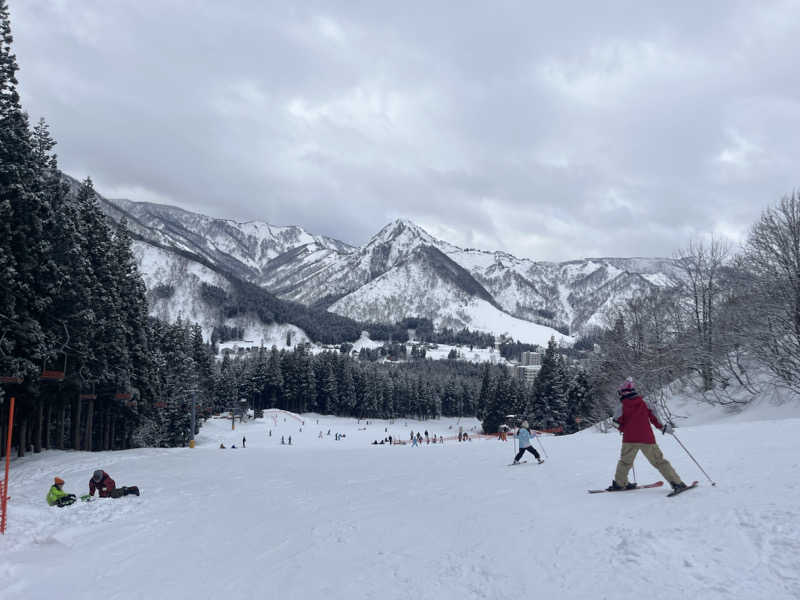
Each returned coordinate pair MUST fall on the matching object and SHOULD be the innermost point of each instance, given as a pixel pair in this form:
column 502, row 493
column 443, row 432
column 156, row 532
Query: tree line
column 340, row 384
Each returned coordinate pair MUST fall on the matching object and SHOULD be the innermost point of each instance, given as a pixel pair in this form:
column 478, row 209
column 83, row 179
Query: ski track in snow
column 327, row 519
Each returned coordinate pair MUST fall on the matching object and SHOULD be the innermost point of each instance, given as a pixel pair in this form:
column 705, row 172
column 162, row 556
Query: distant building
column 527, row 373
column 531, row 359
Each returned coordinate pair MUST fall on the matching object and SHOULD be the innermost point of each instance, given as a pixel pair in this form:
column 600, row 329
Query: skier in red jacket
column 634, row 416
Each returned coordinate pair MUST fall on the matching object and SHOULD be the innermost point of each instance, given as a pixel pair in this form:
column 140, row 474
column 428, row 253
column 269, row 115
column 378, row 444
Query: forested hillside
column 88, row 368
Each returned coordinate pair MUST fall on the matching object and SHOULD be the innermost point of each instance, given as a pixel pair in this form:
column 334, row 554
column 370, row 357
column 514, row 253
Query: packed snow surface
column 327, row 519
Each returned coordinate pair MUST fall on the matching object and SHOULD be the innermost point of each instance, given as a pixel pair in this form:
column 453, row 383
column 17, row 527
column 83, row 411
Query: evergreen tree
column 273, row 387
column 581, row 403
column 558, row 395
column 23, row 214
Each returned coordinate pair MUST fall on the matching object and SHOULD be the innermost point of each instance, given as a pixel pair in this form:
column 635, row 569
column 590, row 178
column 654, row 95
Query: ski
column 638, row 487
column 688, row 487
column 514, row 464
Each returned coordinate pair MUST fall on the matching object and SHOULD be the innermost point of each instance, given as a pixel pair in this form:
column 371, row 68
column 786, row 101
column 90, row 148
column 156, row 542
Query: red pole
column 8, row 460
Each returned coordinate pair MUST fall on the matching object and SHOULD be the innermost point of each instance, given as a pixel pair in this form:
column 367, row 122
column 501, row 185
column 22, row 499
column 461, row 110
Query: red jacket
column 634, row 416
column 104, row 488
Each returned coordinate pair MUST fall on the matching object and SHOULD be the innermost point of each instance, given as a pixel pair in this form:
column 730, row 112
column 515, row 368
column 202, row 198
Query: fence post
column 4, row 499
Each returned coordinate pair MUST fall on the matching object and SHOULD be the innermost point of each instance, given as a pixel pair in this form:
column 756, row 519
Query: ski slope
column 347, row 520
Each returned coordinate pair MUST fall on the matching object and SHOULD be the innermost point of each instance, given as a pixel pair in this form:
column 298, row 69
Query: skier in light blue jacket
column 524, row 436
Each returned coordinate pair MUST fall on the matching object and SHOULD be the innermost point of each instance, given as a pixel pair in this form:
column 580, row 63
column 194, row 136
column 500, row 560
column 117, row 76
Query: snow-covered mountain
column 402, row 271
column 390, row 276
column 241, row 248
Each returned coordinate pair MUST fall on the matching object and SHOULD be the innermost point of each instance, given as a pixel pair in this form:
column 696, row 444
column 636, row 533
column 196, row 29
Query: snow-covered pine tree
column 329, row 390
column 23, row 213
column 581, row 403
column 498, row 404
column 558, row 394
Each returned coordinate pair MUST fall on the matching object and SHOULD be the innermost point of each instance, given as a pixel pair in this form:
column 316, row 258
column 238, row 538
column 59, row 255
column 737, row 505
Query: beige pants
column 652, row 453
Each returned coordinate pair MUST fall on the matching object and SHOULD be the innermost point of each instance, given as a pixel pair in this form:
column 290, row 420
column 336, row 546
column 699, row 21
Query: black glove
column 668, row 428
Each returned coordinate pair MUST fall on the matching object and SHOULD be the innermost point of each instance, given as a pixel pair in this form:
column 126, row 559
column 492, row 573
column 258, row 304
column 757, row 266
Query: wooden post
column 4, row 499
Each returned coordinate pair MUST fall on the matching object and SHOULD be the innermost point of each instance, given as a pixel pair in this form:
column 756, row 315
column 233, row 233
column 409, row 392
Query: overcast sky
column 551, row 132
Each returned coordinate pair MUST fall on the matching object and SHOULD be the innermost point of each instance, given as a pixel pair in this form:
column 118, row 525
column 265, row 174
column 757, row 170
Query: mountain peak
column 403, row 230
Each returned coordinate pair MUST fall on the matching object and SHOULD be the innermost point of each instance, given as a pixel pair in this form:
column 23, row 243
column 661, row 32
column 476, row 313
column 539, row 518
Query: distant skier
column 57, row 496
column 244, row 442
column 633, row 416
column 283, row 441
column 290, row 440
column 524, row 436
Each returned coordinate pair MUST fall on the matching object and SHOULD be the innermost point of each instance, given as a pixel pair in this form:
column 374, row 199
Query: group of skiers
column 416, row 439
column 100, row 482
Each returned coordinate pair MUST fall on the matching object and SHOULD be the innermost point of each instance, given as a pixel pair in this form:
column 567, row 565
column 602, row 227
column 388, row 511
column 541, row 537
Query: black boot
column 678, row 487
column 614, row 487
column 630, row 486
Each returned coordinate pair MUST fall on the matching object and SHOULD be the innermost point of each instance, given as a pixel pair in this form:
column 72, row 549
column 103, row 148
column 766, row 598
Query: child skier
column 524, row 436
column 58, row 497
column 107, row 488
column 633, row 416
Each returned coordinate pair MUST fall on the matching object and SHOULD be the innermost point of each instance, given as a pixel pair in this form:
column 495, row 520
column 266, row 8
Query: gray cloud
column 549, row 132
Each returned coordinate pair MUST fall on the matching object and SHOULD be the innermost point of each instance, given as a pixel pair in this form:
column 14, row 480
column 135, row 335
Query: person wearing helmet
column 633, row 417
column 524, row 436
column 102, row 482
column 57, row 496
column 107, row 488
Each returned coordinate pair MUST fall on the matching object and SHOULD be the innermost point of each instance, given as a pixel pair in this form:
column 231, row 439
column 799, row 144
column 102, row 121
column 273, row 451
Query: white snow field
column 326, row 520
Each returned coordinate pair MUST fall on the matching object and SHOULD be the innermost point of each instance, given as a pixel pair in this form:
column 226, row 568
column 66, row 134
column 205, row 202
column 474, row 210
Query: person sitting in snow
column 633, row 417
column 57, row 496
column 524, row 436
column 107, row 488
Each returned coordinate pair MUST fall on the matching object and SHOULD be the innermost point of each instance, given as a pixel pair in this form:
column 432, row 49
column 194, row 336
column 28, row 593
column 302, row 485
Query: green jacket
column 54, row 494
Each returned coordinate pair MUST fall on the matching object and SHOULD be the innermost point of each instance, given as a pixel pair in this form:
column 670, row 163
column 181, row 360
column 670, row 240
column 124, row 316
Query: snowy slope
column 174, row 285
column 421, row 286
column 344, row 520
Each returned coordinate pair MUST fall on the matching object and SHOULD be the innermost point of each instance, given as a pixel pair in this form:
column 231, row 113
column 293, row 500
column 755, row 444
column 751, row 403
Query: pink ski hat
column 627, row 389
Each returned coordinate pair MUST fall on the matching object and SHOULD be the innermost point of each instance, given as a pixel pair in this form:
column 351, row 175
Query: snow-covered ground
column 346, row 519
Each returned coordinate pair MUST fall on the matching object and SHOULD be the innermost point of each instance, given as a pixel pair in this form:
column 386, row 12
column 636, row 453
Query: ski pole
column 515, row 443
column 692, row 457
column 538, row 437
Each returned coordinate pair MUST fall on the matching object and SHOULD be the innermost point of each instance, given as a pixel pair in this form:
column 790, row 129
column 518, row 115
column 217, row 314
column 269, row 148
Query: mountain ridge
column 401, row 261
